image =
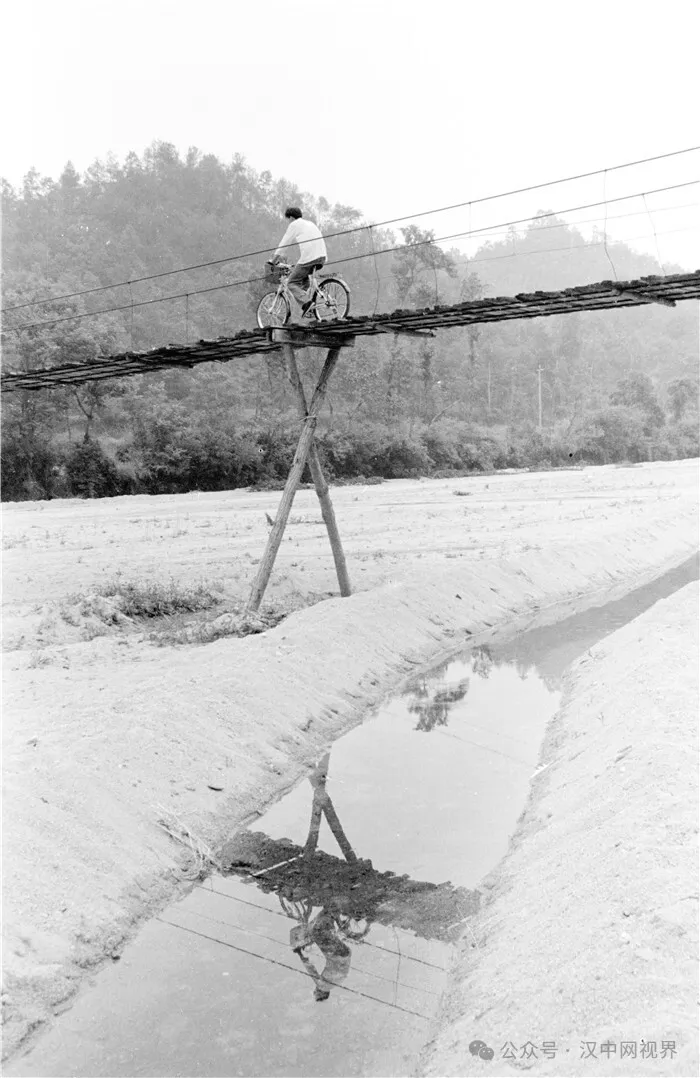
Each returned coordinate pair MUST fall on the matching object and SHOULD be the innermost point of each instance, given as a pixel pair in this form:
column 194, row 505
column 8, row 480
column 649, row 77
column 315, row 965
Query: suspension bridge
column 335, row 336
column 604, row 295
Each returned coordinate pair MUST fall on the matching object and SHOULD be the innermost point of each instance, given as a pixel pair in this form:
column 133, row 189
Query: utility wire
column 656, row 238
column 594, row 220
column 358, row 228
column 365, row 943
column 475, row 263
column 282, row 943
column 605, row 226
column 350, row 258
column 285, row 965
column 592, row 244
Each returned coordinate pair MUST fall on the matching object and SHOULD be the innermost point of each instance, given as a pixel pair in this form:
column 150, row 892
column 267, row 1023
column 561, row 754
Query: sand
column 588, row 938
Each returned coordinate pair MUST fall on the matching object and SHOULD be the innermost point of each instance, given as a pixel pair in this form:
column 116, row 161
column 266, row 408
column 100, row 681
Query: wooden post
column 319, row 479
column 293, row 479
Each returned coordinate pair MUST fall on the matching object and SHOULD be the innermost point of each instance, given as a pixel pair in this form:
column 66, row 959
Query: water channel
column 323, row 948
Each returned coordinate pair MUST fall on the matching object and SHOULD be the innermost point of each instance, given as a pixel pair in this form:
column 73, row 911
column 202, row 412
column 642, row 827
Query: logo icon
column 481, row 1049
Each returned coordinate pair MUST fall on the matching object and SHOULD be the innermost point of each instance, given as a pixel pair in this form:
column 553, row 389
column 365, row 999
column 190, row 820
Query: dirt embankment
column 106, row 735
column 588, row 937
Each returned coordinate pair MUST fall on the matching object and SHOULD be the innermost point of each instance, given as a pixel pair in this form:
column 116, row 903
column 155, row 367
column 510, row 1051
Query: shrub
column 621, row 435
column 90, row 472
column 349, row 455
column 442, row 447
column 404, row 457
column 30, row 467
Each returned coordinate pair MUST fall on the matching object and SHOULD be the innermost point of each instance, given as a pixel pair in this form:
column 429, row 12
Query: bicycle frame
column 327, row 296
column 283, row 286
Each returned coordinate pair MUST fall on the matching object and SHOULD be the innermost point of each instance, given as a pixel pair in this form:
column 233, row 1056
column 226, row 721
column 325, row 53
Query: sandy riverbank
column 588, row 935
column 106, row 733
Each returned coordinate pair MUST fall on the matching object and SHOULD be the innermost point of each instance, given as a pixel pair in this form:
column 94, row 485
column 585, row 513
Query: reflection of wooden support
column 314, row 826
column 319, row 478
column 318, row 781
column 338, row 833
column 322, row 805
column 293, row 480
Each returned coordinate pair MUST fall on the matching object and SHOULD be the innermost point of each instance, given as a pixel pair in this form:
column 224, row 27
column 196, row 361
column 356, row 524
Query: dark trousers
column 298, row 282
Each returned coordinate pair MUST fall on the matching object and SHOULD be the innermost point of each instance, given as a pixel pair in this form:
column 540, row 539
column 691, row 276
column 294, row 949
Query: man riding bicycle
column 312, row 250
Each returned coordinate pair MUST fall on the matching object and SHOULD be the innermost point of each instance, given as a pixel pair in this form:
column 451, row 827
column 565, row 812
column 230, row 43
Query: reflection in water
column 548, row 651
column 291, row 914
column 551, row 649
column 433, row 705
column 336, row 901
column 326, row 931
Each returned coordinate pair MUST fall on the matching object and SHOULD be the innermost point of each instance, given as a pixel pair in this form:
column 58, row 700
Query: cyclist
column 312, row 250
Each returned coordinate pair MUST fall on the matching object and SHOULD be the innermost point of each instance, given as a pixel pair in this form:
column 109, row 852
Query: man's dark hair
column 293, row 212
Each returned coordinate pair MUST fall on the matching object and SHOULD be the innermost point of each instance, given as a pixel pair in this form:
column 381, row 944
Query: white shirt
column 309, row 238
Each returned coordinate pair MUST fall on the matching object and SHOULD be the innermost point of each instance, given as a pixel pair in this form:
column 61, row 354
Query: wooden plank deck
column 604, row 295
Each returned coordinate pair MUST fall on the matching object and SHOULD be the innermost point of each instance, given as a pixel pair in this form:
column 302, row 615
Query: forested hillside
column 613, row 385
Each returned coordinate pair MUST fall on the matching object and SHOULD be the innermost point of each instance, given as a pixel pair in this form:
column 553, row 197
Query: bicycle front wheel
column 273, row 310
column 332, row 299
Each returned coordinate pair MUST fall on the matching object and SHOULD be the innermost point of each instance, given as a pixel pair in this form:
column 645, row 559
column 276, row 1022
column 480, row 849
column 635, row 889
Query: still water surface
column 323, row 949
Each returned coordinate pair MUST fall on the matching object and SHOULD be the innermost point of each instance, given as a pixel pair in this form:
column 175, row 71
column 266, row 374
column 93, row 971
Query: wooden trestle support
column 306, row 452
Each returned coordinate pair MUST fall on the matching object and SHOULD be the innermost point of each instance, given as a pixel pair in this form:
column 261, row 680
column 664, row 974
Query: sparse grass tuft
column 201, row 859
column 231, row 623
column 156, row 599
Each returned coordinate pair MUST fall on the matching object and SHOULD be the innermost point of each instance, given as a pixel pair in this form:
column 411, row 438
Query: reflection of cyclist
column 312, row 251
column 322, row 931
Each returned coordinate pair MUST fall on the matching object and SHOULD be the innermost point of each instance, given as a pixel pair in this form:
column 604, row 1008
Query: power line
column 365, row 943
column 591, row 245
column 294, row 969
column 615, row 217
column 476, row 261
column 387, row 250
column 358, row 228
column 281, row 943
column 350, row 258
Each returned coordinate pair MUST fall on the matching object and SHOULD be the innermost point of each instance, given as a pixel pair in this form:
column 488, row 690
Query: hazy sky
column 392, row 106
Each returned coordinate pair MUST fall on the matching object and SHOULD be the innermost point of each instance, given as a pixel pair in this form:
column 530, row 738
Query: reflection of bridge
column 351, row 889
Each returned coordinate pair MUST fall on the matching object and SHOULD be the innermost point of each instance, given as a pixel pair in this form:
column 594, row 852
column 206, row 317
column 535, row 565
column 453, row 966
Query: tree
column 418, row 259
column 636, row 391
column 391, row 398
column 682, row 393
column 622, row 434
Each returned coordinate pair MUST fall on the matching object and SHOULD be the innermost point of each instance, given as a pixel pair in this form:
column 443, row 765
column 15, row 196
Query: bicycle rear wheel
column 332, row 299
column 273, row 310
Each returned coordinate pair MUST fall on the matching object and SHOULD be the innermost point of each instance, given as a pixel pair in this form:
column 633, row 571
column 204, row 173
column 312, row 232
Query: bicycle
column 329, row 297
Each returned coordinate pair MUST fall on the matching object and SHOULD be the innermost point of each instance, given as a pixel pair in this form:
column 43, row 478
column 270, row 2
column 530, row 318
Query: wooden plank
column 300, row 337
column 294, row 478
